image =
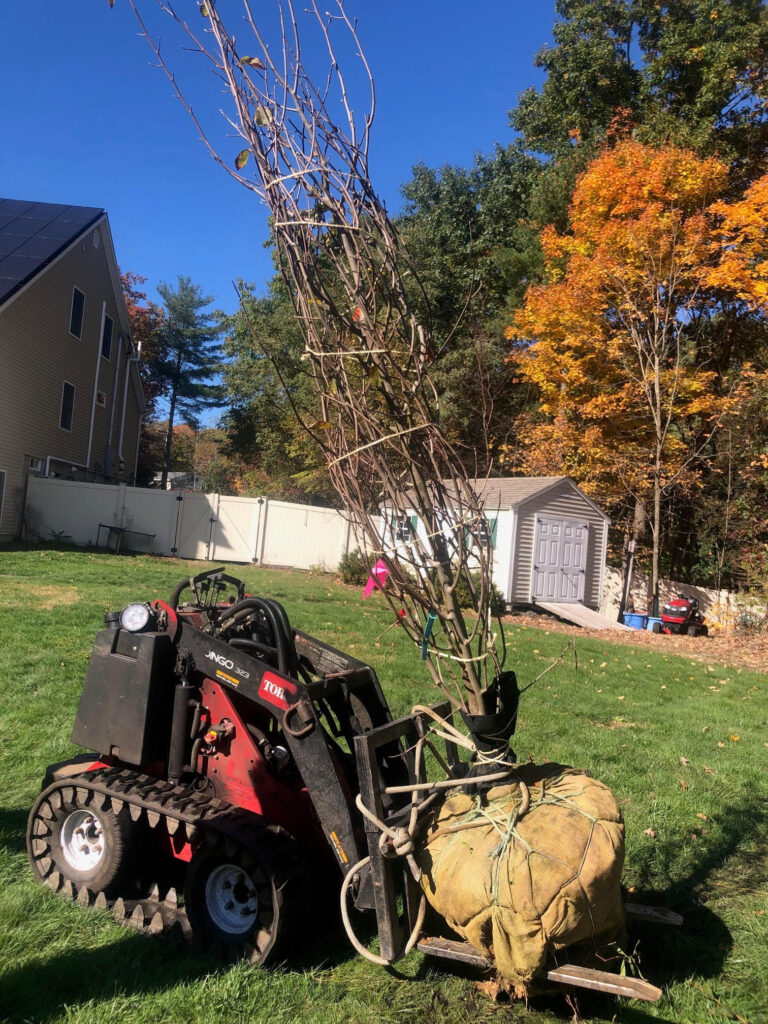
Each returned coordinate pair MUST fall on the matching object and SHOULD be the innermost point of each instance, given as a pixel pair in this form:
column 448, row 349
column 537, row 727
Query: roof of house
column 33, row 234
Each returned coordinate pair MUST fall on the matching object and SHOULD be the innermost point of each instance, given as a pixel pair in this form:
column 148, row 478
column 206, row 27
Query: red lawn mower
column 682, row 616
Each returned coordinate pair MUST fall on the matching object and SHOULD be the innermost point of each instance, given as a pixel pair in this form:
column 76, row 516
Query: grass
column 682, row 744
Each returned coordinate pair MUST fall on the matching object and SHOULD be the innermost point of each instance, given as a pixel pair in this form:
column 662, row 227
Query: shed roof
column 33, row 234
column 509, row 491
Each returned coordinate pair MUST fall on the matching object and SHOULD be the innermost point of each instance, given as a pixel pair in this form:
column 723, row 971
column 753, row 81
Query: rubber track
column 187, row 815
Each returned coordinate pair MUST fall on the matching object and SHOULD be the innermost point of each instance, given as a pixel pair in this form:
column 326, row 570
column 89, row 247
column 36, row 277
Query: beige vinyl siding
column 563, row 502
column 38, row 353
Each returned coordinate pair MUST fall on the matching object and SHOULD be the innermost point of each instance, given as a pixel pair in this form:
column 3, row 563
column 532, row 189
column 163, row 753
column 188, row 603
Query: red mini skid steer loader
column 234, row 755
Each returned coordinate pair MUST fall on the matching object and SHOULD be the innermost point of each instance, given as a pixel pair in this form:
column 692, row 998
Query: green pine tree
column 189, row 358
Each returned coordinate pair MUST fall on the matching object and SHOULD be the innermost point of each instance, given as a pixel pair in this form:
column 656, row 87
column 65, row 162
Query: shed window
column 402, row 527
column 480, row 534
column 106, row 337
column 67, row 406
column 76, row 314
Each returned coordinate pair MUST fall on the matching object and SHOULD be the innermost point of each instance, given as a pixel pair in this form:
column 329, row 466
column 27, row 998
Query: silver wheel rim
column 231, row 899
column 82, row 840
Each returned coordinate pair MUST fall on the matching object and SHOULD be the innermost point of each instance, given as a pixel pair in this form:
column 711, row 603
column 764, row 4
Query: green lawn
column 684, row 746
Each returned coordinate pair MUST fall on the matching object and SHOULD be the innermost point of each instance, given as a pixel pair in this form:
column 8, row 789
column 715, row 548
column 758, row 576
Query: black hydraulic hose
column 244, row 643
column 284, row 645
column 283, row 617
column 174, row 601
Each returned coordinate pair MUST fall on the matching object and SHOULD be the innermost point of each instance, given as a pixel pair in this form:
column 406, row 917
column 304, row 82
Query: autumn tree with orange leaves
column 619, row 338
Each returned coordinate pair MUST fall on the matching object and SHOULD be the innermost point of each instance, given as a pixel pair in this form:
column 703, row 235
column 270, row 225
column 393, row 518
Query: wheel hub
column 231, row 899
column 82, row 840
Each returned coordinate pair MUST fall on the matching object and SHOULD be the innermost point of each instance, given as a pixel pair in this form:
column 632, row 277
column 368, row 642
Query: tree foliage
column 475, row 251
column 278, row 458
column 188, row 358
column 145, row 318
column 621, row 340
column 688, row 71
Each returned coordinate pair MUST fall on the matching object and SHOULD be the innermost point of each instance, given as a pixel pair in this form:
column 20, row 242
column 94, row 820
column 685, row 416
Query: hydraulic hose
column 286, row 655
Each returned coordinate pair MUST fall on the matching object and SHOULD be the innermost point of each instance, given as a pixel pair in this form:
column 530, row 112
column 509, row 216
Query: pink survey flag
column 377, row 578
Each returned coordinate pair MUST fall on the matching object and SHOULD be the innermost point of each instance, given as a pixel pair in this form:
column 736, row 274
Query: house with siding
column 548, row 539
column 70, row 394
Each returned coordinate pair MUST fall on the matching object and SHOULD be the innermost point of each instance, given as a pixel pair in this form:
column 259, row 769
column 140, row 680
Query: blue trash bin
column 635, row 621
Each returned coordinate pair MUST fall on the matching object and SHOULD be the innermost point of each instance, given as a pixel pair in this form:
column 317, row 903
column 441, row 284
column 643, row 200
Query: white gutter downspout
column 118, row 354
column 136, row 460
column 96, row 382
column 129, row 360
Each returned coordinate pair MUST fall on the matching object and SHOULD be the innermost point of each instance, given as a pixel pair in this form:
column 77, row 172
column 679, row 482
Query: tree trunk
column 656, row 534
column 168, row 442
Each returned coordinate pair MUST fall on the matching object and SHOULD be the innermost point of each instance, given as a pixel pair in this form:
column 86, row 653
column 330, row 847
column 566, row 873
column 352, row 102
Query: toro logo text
column 278, row 692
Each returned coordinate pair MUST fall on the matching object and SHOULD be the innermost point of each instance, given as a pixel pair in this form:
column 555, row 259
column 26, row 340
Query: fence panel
column 71, row 509
column 149, row 512
column 300, row 536
column 197, row 520
column 193, row 525
column 236, row 531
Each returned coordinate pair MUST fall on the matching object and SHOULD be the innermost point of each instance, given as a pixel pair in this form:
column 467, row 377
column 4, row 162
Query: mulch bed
column 729, row 647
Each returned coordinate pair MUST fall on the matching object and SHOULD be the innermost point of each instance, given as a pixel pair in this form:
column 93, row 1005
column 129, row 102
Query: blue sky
column 86, row 119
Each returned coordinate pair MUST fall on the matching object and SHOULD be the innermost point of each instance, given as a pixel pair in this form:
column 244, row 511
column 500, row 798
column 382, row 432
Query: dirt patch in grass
column 730, row 647
column 45, row 597
column 619, row 723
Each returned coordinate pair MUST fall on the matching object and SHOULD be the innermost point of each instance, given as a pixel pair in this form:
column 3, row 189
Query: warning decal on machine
column 276, row 691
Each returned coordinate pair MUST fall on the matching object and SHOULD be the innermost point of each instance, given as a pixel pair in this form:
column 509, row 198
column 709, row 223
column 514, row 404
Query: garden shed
column 549, row 539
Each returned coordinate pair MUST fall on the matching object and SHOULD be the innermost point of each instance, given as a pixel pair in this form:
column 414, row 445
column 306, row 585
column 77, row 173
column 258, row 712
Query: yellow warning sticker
column 339, row 848
column 229, row 679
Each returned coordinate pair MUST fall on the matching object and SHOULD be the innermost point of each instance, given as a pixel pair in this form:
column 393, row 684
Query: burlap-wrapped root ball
column 525, row 885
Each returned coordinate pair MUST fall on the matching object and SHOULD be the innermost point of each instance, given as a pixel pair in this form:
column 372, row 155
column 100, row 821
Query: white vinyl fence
column 189, row 524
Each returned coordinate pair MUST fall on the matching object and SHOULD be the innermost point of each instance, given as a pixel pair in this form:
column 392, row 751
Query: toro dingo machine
column 235, row 755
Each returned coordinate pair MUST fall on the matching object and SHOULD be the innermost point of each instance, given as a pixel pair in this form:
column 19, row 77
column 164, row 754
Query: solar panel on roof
column 60, row 230
column 39, row 246
column 15, row 207
column 32, row 234
column 10, row 242
column 18, row 267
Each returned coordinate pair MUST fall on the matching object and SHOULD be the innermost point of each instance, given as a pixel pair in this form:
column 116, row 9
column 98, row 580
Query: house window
column 101, row 399
column 402, row 527
column 67, row 406
column 2, row 491
column 106, row 337
column 76, row 315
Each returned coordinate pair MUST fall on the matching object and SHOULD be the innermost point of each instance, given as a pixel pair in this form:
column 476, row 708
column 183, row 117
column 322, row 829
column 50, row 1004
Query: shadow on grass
column 135, row 965
column 702, row 944
column 13, row 829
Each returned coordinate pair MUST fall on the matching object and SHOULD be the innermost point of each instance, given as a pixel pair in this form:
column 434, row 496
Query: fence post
column 261, row 530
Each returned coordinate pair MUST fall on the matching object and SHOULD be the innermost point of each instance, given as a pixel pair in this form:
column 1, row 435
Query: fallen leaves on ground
column 727, row 647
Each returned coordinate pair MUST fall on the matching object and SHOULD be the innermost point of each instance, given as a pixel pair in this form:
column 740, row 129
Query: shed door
column 559, row 560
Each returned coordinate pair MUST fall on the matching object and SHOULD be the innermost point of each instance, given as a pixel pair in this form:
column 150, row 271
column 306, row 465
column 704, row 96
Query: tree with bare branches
column 351, row 282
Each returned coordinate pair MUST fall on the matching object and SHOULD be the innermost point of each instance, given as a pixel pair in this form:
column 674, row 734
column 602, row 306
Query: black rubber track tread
column 204, row 818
